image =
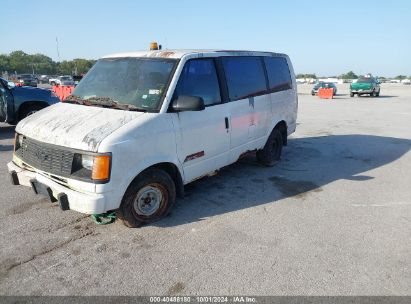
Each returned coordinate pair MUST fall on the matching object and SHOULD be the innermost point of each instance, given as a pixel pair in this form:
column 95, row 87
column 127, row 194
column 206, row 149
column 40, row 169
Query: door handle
column 227, row 125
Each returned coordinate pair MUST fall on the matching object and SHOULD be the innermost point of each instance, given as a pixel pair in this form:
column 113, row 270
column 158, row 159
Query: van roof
column 177, row 54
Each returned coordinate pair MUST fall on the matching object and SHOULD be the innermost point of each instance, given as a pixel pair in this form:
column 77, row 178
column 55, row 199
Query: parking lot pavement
column 332, row 218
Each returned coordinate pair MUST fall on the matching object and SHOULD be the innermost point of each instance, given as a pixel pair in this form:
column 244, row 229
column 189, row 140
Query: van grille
column 45, row 157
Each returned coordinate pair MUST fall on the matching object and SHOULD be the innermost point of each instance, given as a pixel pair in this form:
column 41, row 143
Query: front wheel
column 271, row 153
column 148, row 198
column 373, row 94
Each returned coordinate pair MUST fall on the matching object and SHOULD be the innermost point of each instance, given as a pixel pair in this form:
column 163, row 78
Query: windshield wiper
column 111, row 103
column 105, row 102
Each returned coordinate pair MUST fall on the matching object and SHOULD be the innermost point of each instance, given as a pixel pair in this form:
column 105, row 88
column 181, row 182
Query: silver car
column 65, row 81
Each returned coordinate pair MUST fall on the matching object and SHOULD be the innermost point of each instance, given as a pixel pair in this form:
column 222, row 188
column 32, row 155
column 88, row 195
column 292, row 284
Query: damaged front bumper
column 68, row 199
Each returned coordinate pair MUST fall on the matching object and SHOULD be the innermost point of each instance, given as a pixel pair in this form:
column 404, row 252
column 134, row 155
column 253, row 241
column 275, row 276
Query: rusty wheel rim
column 149, row 200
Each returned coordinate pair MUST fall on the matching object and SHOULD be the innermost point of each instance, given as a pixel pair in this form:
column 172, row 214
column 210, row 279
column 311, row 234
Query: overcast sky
column 322, row 37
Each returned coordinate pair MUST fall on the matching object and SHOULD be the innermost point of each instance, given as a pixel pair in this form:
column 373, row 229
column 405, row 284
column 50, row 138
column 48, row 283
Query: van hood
column 74, row 126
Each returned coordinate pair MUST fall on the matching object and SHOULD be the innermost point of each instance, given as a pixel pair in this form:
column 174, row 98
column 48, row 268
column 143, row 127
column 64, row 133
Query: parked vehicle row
column 366, row 85
column 34, row 80
column 139, row 126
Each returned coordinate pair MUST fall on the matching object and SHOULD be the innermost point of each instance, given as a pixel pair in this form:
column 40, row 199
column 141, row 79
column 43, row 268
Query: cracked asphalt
column 332, row 218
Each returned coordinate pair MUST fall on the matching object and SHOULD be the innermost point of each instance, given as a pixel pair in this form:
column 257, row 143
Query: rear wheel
column 148, row 198
column 351, row 94
column 271, row 153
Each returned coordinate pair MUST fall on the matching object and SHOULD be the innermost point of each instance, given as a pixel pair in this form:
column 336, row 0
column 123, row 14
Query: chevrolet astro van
column 139, row 126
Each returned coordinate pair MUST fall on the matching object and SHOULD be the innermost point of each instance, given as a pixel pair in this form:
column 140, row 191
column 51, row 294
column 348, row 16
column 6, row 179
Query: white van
column 141, row 125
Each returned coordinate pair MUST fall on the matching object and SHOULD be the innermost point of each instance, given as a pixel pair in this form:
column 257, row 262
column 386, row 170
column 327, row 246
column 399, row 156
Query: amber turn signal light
column 101, row 167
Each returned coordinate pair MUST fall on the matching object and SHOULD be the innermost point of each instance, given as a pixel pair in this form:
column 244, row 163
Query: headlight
column 18, row 141
column 94, row 167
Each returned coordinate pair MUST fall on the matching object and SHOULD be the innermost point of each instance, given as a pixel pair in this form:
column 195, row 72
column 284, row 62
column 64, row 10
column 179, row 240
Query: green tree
column 65, row 67
column 4, row 63
column 18, row 62
column 42, row 64
column 82, row 66
column 400, row 77
column 306, row 76
column 349, row 75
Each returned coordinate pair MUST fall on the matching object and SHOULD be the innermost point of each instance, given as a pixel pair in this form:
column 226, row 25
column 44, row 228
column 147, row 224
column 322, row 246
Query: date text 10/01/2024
column 199, row 299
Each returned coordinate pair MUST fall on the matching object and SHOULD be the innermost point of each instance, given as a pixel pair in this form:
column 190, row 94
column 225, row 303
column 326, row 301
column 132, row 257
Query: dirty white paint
column 74, row 126
column 138, row 140
column 179, row 54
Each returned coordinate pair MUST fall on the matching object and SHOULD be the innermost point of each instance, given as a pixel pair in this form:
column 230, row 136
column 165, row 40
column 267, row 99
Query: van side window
column 199, row 78
column 279, row 77
column 245, row 77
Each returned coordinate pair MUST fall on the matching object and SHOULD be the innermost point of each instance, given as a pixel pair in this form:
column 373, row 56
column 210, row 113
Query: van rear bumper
column 69, row 199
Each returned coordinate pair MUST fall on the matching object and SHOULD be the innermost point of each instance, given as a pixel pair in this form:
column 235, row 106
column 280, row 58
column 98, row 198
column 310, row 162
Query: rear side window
column 279, row 77
column 245, row 77
column 199, row 78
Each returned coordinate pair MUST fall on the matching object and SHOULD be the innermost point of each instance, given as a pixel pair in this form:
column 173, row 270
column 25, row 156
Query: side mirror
column 188, row 103
column 11, row 84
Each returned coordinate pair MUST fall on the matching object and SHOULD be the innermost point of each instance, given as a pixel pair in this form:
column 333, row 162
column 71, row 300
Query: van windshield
column 139, row 82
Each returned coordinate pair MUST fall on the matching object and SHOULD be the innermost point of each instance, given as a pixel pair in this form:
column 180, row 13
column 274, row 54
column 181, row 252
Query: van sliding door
column 249, row 103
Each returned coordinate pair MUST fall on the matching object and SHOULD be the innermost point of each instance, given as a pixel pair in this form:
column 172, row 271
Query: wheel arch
column 282, row 127
column 171, row 169
column 28, row 104
column 175, row 174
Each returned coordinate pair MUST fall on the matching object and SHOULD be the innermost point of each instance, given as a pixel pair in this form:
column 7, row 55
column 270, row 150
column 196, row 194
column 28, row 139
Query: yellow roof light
column 153, row 46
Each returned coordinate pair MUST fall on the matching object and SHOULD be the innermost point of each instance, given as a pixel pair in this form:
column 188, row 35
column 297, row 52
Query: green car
column 365, row 85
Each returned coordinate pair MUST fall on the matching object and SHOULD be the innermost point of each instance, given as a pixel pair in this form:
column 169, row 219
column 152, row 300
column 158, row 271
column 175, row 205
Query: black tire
column 131, row 214
column 31, row 109
column 351, row 94
column 372, row 94
column 377, row 94
column 271, row 153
